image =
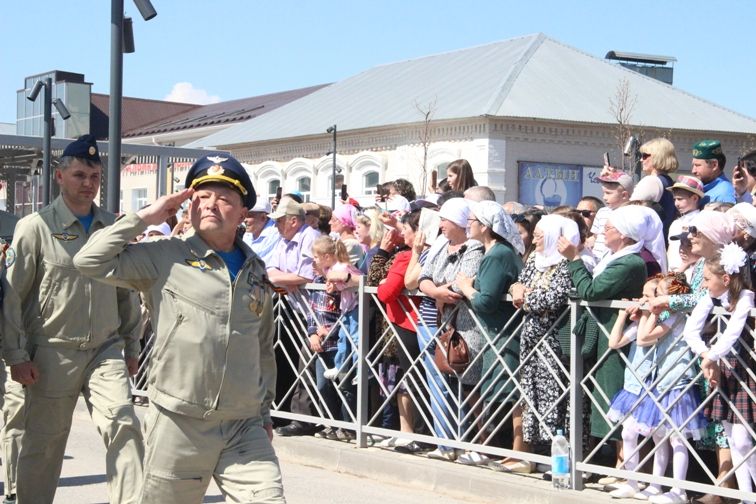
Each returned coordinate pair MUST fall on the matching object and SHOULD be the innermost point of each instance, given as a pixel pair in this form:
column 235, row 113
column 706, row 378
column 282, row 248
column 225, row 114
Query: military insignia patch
column 92, row 151
column 217, row 159
column 64, row 236
column 10, row 257
column 215, row 170
column 200, row 264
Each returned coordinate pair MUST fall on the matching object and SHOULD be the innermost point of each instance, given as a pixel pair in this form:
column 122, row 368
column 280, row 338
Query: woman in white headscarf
column 437, row 280
column 541, row 292
column 486, row 291
column 620, row 275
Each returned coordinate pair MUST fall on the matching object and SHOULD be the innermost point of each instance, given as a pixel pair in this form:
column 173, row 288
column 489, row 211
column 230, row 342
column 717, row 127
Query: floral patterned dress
column 541, row 380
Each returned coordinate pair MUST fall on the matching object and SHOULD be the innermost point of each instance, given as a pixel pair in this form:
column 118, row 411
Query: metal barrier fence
column 471, row 411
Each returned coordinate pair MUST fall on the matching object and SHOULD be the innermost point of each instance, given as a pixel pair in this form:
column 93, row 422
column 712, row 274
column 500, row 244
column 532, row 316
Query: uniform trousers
column 100, row 375
column 13, row 427
column 183, row 453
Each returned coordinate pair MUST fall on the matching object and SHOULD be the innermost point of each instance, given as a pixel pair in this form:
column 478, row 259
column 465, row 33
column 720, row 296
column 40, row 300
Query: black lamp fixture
column 332, row 130
column 47, row 128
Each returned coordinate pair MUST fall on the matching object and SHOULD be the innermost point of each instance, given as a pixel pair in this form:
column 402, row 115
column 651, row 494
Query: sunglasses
column 586, row 213
column 645, row 155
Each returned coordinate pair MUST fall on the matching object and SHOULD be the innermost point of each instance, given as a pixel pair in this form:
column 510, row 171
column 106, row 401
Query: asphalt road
column 83, row 478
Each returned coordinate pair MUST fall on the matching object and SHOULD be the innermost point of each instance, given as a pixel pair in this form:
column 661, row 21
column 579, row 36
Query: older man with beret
column 66, row 335
column 708, row 165
column 213, row 370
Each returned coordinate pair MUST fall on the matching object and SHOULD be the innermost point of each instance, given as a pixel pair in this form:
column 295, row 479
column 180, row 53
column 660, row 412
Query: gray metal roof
column 526, row 77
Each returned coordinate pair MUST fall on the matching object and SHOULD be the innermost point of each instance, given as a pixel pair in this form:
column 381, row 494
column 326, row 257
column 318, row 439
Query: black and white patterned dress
column 442, row 269
column 542, row 382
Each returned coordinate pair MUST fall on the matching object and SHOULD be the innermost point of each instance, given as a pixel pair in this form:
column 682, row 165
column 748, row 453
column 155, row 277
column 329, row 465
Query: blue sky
column 204, row 51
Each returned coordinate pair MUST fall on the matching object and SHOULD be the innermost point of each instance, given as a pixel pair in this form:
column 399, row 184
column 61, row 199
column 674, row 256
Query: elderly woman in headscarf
column 542, row 292
column 486, row 291
column 619, row 275
column 437, row 280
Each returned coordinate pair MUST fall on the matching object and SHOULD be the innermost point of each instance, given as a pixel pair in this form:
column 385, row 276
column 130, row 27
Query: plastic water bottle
column 560, row 461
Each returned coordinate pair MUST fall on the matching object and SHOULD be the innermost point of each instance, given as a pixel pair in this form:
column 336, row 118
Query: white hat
column 164, row 229
column 262, row 205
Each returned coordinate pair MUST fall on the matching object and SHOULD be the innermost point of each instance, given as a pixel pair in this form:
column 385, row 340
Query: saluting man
column 65, row 335
column 213, row 369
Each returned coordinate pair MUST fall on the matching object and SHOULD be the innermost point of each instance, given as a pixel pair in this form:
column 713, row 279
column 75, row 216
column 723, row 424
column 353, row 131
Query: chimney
column 660, row 68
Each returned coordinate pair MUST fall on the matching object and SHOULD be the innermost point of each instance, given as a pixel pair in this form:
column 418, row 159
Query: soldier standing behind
column 12, row 392
column 64, row 335
column 213, row 370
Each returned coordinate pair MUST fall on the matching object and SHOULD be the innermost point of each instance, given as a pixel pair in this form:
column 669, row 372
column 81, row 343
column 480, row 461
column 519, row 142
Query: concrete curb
column 469, row 483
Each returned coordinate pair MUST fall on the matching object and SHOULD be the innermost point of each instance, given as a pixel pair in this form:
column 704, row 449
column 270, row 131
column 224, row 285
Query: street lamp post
column 112, row 199
column 332, row 130
column 47, row 130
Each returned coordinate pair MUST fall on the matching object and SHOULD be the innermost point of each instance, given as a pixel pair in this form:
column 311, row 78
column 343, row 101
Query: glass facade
column 75, row 94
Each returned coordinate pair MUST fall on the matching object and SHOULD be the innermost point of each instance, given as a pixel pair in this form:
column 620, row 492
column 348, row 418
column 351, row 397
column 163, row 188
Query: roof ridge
column 450, row 51
column 514, row 72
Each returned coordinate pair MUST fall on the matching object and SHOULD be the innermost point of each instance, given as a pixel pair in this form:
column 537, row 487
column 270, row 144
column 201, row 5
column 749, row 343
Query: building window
column 339, row 183
column 138, row 198
column 273, row 186
column 369, row 181
column 441, row 169
column 303, row 187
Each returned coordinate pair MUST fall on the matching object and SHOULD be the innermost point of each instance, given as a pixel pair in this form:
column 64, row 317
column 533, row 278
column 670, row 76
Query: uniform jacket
column 213, row 354
column 48, row 303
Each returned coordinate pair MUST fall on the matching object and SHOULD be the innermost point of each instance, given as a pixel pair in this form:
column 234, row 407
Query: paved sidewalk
column 474, row 484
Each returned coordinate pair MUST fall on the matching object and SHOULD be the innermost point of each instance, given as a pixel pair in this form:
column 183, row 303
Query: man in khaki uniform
column 65, row 335
column 213, row 370
column 12, row 392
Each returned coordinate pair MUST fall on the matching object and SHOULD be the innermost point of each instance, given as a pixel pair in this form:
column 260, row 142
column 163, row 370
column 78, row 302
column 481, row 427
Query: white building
column 532, row 115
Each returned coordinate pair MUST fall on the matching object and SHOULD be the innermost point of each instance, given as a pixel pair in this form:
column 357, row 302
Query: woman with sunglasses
column 619, row 275
column 658, row 160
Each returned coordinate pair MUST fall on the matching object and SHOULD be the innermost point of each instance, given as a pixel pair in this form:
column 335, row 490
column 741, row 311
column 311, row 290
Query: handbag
column 452, row 356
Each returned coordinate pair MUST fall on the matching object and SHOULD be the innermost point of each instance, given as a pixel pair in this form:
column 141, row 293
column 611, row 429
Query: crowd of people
column 450, row 271
column 668, row 244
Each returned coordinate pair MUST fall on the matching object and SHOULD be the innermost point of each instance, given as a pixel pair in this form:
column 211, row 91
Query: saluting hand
column 25, row 373
column 165, row 207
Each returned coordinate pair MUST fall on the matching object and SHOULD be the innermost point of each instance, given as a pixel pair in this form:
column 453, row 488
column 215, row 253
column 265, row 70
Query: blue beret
column 224, row 169
column 84, row 147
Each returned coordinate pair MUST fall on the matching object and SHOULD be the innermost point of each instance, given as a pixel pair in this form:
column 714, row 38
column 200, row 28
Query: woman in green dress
column 620, row 275
column 486, row 292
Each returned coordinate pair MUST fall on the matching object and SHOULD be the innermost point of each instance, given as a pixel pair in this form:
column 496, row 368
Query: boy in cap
column 66, row 335
column 213, row 370
column 708, row 166
column 616, row 188
column 687, row 192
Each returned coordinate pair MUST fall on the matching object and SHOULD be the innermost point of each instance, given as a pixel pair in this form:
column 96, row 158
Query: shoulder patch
column 65, row 236
column 10, row 257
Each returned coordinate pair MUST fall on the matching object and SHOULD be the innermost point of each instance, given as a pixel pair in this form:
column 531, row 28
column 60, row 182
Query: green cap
column 707, row 149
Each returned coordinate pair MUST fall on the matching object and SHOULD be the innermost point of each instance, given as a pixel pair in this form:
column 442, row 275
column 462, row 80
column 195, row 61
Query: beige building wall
column 493, row 146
